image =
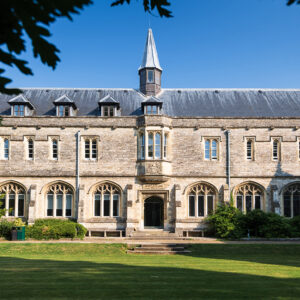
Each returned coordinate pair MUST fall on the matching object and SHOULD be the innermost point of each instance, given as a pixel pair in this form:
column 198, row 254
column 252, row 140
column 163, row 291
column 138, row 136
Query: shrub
column 5, row 228
column 295, row 223
column 45, row 229
column 225, row 222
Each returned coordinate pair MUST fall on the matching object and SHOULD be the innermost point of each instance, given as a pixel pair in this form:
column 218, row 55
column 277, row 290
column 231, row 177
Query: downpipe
column 77, row 172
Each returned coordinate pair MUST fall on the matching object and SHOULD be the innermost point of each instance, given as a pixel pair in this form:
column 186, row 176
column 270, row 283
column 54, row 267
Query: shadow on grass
column 271, row 254
column 46, row 279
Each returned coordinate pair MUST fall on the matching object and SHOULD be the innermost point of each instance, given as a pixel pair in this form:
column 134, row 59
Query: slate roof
column 64, row 99
column 20, row 99
column 176, row 102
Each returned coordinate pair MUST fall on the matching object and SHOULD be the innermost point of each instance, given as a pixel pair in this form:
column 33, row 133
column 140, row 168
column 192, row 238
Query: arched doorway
column 153, row 212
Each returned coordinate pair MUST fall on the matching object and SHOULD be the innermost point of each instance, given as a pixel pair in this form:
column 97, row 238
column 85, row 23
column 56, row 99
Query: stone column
column 275, row 203
column 80, row 207
column 131, row 222
column 226, row 194
column 32, row 204
column 178, row 205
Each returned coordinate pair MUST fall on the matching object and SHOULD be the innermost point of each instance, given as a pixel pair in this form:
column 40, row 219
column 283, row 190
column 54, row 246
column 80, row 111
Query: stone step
column 157, row 252
column 161, row 249
column 154, row 238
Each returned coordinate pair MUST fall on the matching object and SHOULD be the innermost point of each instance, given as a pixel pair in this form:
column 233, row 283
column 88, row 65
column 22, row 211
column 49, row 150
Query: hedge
column 229, row 223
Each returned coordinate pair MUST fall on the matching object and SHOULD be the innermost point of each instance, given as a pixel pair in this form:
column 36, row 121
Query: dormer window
column 108, row 106
column 19, row 110
column 21, row 107
column 152, row 106
column 65, row 107
column 150, row 76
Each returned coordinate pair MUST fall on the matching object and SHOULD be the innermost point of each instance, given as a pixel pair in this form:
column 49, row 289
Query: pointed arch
column 290, row 195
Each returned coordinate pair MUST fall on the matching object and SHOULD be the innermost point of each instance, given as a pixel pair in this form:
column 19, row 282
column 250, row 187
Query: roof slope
column 175, row 102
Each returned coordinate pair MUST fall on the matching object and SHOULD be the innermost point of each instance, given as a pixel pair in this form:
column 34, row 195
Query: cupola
column 150, row 69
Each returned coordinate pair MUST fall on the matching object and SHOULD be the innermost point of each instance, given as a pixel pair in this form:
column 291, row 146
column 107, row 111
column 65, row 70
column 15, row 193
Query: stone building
column 130, row 160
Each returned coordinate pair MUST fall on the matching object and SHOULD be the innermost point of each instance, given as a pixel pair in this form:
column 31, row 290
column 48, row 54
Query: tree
column 32, row 17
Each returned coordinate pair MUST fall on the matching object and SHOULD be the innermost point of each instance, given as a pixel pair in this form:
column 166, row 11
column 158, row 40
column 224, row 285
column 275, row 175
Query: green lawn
column 93, row 271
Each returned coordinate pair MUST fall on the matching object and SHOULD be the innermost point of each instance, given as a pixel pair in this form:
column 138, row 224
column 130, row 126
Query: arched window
column 54, row 149
column 6, row 149
column 30, row 149
column 106, row 200
column 157, row 145
column 201, row 200
column 276, row 150
column 249, row 196
column 291, row 200
column 12, row 198
column 59, row 200
column 150, row 145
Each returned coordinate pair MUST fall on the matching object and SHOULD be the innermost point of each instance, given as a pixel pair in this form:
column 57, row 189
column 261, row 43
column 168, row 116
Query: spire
column 150, row 58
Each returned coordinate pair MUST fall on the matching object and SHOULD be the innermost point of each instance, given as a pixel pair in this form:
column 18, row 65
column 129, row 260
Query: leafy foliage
column 7, row 226
column 150, row 5
column 32, row 17
column 45, row 229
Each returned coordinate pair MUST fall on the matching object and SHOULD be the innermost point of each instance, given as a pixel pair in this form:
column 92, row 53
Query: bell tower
column 150, row 69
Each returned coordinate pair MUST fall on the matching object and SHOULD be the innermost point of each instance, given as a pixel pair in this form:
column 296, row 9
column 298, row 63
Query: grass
column 94, row 271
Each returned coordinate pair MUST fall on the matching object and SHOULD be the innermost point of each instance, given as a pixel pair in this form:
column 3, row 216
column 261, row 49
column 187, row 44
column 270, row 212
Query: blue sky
column 208, row 44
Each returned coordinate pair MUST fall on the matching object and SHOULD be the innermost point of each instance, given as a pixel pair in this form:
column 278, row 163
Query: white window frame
column 110, row 108
column 153, row 76
column 90, row 152
column 278, row 157
column 210, row 149
column 5, row 149
column 19, row 112
column 252, row 150
column 30, row 150
column 53, row 150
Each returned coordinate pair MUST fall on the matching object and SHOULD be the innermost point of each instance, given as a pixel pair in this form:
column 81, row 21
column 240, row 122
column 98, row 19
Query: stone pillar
column 32, row 204
column 178, row 205
column 131, row 223
column 226, row 194
column 80, row 207
column 274, row 200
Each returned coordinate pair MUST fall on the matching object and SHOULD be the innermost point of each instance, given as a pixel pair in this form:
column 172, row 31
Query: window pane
column 154, row 110
column 6, row 148
column 142, row 145
column 20, row 205
column 239, row 202
column 87, row 149
column 192, row 206
column 296, row 200
column 150, row 76
column 94, row 149
column 69, row 205
column 148, row 109
column 50, row 205
column 287, row 204
column 30, row 149
column 207, row 149
column 22, row 110
column 201, row 206
column 111, row 111
column 257, row 202
column 115, row 205
column 165, row 145
column 54, row 149
column 248, row 203
column 59, row 200
column 210, row 204
column 67, row 111
column 275, row 150
column 249, row 150
column 16, row 110
column 97, row 205
column 105, row 111
column 106, row 205
column 150, row 145
column 61, row 111
column 11, row 204
column 157, row 146
column 214, row 149
column 2, row 201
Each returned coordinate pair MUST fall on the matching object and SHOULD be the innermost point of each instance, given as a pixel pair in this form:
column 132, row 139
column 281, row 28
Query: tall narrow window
column 30, row 149
column 54, row 149
column 211, row 149
column 106, row 201
column 6, row 149
column 249, row 150
column 165, row 144
column 291, row 200
column 150, row 76
column 157, row 145
column 299, row 149
column 142, row 146
column 90, row 149
column 150, row 145
column 276, row 150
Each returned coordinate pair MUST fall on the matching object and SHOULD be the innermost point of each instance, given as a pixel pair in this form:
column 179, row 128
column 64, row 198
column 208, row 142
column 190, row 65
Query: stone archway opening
column 153, row 212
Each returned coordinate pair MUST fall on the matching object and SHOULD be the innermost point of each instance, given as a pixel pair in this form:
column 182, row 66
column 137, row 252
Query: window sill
column 153, row 159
